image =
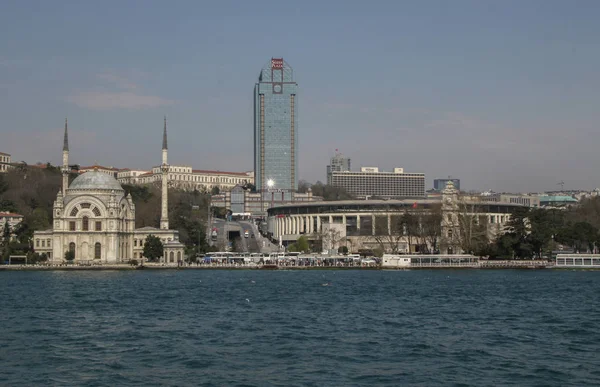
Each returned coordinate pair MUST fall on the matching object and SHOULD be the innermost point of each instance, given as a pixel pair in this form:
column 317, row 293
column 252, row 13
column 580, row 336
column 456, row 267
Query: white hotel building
column 186, row 178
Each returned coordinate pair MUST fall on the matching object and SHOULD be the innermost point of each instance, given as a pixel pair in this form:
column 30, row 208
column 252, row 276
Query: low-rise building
column 129, row 176
column 5, row 162
column 184, row 177
column 11, row 219
column 112, row 171
column 527, row 200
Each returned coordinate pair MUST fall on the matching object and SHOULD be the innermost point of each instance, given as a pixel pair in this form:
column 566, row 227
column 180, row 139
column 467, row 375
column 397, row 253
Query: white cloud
column 99, row 100
column 118, row 81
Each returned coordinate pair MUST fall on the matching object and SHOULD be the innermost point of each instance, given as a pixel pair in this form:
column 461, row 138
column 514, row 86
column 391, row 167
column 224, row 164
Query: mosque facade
column 96, row 220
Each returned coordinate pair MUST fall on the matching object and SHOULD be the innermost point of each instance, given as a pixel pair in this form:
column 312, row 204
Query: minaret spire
column 164, row 213
column 65, row 167
column 66, row 139
column 165, row 135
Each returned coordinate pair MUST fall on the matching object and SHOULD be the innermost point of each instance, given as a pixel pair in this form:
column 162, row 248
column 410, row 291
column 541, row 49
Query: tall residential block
column 276, row 129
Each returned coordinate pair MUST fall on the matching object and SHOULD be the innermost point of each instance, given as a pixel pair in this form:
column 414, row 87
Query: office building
column 275, row 129
column 338, row 163
column 370, row 182
column 440, row 184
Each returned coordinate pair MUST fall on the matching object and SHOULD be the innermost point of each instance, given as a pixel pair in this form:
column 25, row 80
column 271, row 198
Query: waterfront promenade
column 484, row 264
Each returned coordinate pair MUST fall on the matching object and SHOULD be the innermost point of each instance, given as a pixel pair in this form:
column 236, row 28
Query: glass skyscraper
column 276, row 130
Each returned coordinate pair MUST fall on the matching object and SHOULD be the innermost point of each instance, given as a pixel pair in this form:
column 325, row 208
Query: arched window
column 171, row 257
column 97, row 250
column 179, row 256
column 96, row 211
column 74, row 211
column 72, row 247
column 85, row 224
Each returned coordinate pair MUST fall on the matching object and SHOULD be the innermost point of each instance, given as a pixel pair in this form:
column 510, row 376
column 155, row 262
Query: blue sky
column 503, row 95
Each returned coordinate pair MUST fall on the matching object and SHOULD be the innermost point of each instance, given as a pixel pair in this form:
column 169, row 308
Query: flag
column 414, row 205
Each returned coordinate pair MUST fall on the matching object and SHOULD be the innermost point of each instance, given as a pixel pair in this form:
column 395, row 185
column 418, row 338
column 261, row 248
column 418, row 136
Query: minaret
column 164, row 212
column 65, row 166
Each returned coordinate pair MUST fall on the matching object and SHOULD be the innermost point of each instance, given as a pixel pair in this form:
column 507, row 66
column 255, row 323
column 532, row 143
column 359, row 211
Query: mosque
column 96, row 220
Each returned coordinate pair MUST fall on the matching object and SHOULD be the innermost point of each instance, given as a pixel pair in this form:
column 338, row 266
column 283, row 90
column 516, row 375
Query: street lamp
column 271, row 184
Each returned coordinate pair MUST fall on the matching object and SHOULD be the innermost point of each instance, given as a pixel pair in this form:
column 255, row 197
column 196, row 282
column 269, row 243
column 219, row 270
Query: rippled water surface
column 284, row 328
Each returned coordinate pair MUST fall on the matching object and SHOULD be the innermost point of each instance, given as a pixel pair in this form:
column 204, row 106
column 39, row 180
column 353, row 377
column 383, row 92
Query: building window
column 97, row 250
column 43, row 243
column 74, row 211
column 72, row 247
column 171, row 257
column 135, row 242
column 96, row 211
column 37, row 243
column 48, row 243
column 449, row 234
column 85, row 224
column 72, row 226
column 98, row 226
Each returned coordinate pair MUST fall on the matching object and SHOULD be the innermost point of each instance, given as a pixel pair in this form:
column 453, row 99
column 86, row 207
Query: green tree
column 343, row 250
column 301, row 245
column 514, row 242
column 330, row 192
column 215, row 190
column 8, row 206
column 153, row 248
column 39, row 219
column 3, row 185
column 544, row 226
column 69, row 255
column 581, row 236
column 138, row 193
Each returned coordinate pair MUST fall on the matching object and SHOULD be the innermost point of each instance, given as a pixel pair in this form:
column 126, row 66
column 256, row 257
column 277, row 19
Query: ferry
column 577, row 261
column 407, row 261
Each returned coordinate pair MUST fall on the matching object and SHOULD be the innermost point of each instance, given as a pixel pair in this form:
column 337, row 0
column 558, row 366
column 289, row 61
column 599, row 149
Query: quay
column 294, row 261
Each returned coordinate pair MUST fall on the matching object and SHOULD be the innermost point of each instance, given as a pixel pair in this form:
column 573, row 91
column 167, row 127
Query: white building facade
column 189, row 179
column 5, row 162
column 93, row 218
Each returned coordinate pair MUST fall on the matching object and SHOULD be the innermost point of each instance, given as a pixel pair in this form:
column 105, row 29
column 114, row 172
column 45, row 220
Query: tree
column 301, row 245
column 514, row 242
column 5, row 237
column 544, row 228
column 69, row 255
column 215, row 190
column 153, row 248
column 303, row 186
column 401, row 228
column 431, row 225
column 581, row 236
column 330, row 192
column 343, row 250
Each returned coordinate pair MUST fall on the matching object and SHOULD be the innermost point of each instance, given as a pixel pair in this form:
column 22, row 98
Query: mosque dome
column 96, row 180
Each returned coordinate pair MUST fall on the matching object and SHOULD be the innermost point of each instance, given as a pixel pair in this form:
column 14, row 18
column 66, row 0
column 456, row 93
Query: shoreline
column 300, row 268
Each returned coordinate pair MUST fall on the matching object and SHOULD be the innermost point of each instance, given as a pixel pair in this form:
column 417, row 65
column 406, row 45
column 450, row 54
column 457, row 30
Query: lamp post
column 271, row 184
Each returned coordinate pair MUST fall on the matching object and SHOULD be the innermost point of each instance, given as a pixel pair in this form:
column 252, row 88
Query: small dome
column 95, row 180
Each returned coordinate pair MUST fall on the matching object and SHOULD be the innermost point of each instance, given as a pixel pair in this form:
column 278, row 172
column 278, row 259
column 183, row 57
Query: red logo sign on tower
column 276, row 63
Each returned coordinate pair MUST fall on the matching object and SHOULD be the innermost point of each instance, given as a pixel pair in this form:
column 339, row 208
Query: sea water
column 300, row 328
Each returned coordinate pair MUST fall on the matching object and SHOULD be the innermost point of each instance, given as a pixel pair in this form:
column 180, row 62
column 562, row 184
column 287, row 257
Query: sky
column 504, row 95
